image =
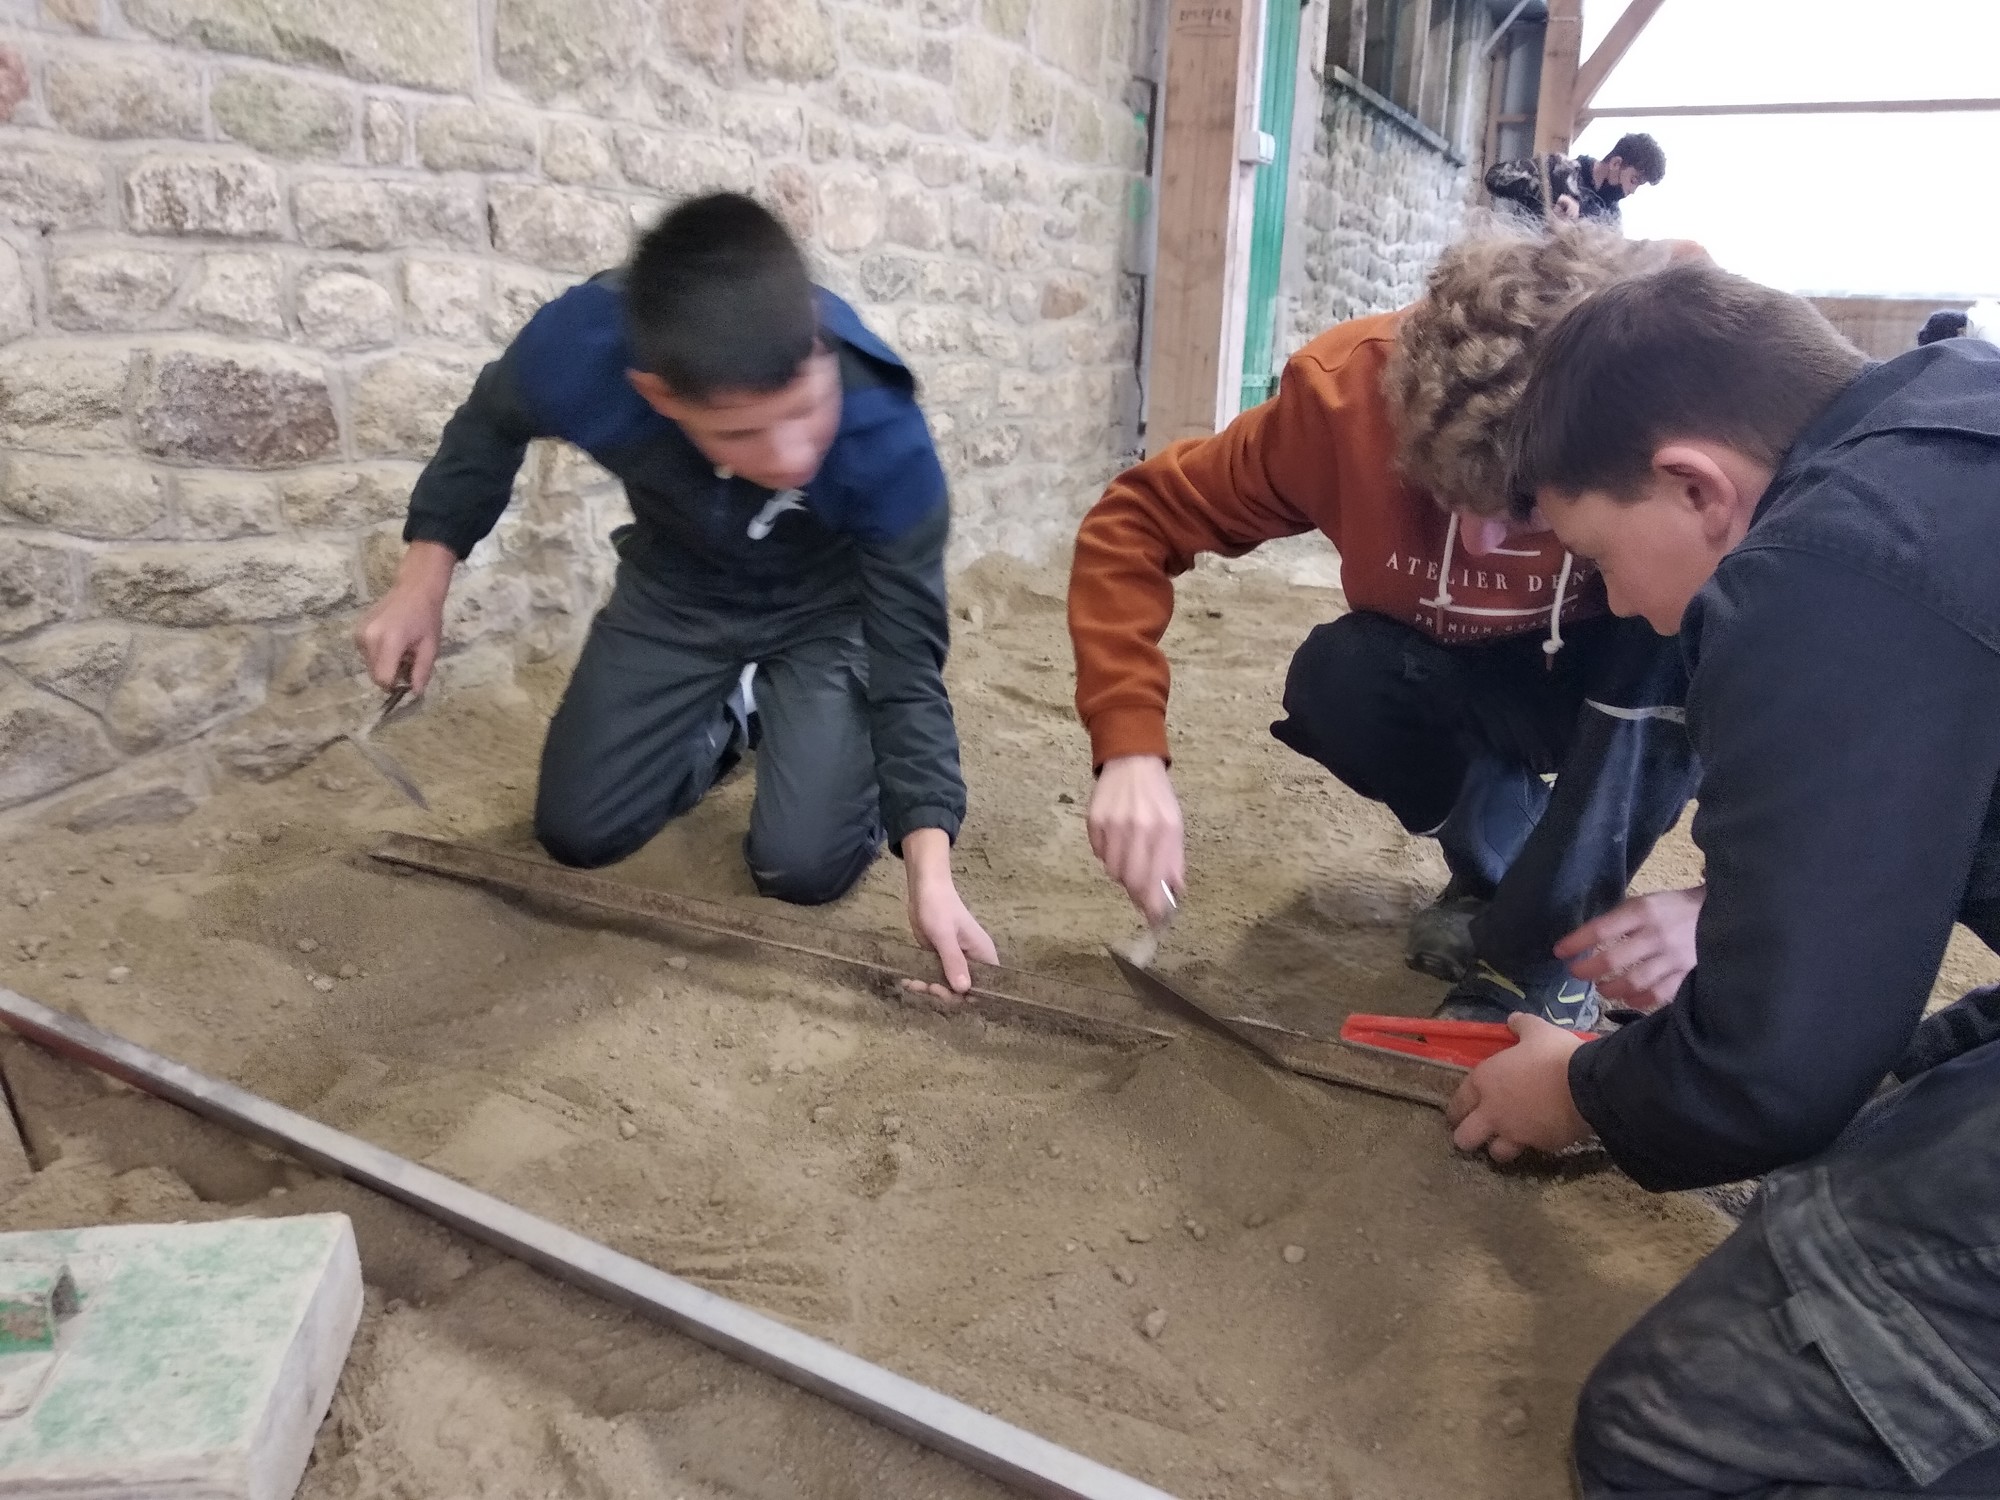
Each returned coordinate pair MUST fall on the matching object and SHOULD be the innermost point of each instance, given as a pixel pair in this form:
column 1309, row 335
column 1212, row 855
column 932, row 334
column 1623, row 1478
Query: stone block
column 889, row 278
column 124, row 95
column 944, row 13
column 425, row 44
column 788, row 193
column 681, row 102
column 227, row 197
column 320, row 653
column 486, row 602
column 679, row 167
column 281, row 115
column 577, row 151
column 1070, row 34
column 101, row 498
column 1065, row 295
column 913, row 215
column 344, row 213
column 979, row 86
column 240, row 294
column 400, row 404
column 17, row 298
column 876, row 41
column 850, row 210
column 13, row 82
column 559, row 228
column 346, row 499
column 770, row 127
column 922, row 106
column 62, row 397
column 790, row 40
column 589, row 49
column 258, row 408
column 385, row 134
column 938, row 164
column 43, row 188
column 222, row 507
column 476, row 138
column 444, row 215
column 46, row 744
column 157, row 801
column 111, row 290
column 702, row 31
column 826, row 139
column 1079, row 133
column 932, row 330
column 223, row 582
column 37, row 585
column 180, row 683
column 444, row 299
column 345, row 310
column 81, row 662
column 1031, row 101
column 517, row 295
column 858, row 96
column 1008, row 18
column 956, row 281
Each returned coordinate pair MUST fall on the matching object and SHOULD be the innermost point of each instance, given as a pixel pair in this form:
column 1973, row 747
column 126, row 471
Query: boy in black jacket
column 782, row 581
column 1824, row 535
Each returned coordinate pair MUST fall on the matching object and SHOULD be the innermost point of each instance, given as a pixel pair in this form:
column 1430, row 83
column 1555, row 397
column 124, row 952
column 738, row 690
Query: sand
column 1226, row 1281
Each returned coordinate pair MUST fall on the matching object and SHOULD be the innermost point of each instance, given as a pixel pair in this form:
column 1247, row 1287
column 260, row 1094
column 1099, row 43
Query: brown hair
column 1462, row 353
column 1640, row 150
column 1687, row 352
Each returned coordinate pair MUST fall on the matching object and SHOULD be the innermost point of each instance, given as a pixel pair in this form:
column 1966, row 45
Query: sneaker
column 1440, row 938
column 1486, row 994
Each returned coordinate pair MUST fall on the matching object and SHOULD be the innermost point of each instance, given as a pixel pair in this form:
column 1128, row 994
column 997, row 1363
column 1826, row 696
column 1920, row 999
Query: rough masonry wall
column 1377, row 204
column 252, row 253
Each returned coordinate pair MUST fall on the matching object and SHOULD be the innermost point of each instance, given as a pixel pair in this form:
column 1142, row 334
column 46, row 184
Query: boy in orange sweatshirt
column 1477, row 656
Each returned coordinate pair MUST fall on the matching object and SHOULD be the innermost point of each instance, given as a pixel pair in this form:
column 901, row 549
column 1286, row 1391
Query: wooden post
column 1609, row 53
column 1209, row 121
column 1562, row 55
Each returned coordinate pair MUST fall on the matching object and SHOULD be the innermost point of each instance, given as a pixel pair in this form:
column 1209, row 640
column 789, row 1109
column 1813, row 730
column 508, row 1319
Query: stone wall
column 252, row 253
column 1376, row 202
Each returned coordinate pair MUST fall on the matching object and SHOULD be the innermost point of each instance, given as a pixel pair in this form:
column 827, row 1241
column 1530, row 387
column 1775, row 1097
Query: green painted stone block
column 185, row 1360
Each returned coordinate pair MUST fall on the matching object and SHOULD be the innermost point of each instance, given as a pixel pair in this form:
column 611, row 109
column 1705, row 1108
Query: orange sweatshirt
column 1320, row 455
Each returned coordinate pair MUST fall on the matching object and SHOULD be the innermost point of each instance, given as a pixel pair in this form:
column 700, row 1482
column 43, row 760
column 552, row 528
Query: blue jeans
column 1845, row 1340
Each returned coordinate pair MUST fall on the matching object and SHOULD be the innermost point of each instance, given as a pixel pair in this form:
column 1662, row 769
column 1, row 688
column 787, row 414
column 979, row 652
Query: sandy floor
column 989, row 1211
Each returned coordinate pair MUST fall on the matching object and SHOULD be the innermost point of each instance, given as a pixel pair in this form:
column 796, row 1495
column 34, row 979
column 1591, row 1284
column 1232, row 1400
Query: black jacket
column 1518, row 185
column 867, row 534
column 1845, row 704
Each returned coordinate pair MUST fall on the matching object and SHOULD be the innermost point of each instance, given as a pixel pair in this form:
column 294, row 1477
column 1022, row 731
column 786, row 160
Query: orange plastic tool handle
column 1456, row 1044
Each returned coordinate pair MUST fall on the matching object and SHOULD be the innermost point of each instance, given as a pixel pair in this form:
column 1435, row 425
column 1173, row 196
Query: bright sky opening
column 1881, row 204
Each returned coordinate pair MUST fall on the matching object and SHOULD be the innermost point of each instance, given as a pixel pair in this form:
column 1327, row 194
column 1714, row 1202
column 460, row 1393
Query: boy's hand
column 1135, row 829
column 407, row 623
column 937, row 916
column 1638, row 952
column 1520, row 1098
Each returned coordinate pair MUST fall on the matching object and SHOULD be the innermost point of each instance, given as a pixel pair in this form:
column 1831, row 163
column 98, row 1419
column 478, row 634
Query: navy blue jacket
column 1845, row 703
column 867, row 534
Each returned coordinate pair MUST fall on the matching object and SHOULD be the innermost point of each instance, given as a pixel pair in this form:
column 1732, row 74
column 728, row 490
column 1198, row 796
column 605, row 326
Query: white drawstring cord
column 1555, row 641
column 1443, row 600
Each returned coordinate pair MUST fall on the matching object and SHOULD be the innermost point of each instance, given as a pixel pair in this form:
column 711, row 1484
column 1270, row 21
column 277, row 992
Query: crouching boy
column 1824, row 535
column 781, row 586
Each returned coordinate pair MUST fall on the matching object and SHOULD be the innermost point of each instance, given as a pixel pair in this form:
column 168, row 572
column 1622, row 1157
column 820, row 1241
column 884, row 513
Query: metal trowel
column 379, row 758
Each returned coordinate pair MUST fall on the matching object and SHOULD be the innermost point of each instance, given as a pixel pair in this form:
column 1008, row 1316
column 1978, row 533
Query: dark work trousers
column 1845, row 1340
column 646, row 728
column 1456, row 741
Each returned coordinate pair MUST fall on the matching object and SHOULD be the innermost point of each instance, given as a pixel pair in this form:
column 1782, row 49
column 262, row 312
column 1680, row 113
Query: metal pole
column 982, row 1442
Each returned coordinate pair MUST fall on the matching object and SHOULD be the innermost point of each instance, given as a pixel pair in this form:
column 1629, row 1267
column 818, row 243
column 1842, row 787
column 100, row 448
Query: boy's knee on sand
column 807, row 874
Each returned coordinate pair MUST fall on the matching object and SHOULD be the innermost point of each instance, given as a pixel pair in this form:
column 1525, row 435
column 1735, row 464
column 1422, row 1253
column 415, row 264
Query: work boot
column 1486, row 994
column 1439, row 942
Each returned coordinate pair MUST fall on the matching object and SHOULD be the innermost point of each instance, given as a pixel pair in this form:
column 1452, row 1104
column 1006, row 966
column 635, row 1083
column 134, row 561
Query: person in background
column 1584, row 187
column 781, row 587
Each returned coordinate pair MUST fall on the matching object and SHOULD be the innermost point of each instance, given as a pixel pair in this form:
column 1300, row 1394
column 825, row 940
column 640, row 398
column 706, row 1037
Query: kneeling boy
column 1824, row 536
column 782, row 582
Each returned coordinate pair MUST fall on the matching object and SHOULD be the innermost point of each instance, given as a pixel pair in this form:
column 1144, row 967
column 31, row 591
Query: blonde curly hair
column 1462, row 352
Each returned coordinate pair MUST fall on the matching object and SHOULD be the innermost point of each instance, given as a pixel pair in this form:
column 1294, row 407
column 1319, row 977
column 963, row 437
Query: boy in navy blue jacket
column 781, row 585
column 1824, row 536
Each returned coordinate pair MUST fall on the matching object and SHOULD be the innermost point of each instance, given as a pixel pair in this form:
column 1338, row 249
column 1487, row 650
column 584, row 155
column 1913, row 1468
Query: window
column 1419, row 55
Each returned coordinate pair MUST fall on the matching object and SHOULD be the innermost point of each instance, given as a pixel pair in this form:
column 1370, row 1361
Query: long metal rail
column 973, row 1437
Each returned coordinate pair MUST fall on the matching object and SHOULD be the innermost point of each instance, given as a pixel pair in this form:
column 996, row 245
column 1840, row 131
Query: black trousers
column 1456, row 741
column 645, row 729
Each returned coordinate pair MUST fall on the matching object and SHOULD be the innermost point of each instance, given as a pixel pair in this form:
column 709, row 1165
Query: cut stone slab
column 193, row 1361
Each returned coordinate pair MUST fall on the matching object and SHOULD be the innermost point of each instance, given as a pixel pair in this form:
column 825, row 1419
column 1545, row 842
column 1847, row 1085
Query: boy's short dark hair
column 1687, row 352
column 1945, row 323
column 717, row 298
column 1640, row 150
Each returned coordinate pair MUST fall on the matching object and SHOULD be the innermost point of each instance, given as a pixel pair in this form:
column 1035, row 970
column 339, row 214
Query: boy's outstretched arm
column 457, row 500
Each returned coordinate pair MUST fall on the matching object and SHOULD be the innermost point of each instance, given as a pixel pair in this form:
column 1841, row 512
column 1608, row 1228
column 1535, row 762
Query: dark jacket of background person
column 1518, row 185
column 1845, row 705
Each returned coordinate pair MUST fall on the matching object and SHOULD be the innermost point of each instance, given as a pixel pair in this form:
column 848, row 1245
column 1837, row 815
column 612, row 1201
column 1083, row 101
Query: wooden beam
column 995, row 1448
column 1562, row 51
column 1818, row 107
column 1208, row 114
column 1611, row 51
column 1350, row 34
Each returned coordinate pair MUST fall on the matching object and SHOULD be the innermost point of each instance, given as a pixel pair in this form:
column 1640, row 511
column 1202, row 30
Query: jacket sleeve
column 907, row 631
column 465, row 487
column 1227, row 494
column 1850, row 743
column 1518, row 181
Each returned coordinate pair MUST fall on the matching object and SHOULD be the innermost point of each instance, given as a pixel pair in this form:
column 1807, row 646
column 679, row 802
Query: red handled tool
column 1451, row 1044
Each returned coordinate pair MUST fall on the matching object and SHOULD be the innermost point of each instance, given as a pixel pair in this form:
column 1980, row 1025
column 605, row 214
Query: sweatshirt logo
column 776, row 506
